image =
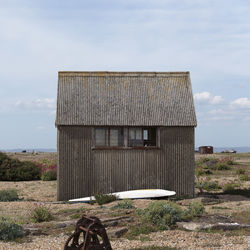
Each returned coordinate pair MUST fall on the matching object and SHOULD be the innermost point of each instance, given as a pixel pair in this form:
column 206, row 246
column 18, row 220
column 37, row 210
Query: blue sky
column 211, row 39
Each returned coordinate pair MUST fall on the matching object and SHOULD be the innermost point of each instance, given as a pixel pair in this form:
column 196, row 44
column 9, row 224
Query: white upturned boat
column 133, row 194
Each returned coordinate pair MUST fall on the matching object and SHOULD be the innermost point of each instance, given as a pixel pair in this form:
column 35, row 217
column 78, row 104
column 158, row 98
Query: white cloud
column 242, row 102
column 217, row 112
column 204, row 96
column 234, row 111
column 216, row 100
column 207, row 98
column 222, row 114
column 36, row 104
column 222, row 118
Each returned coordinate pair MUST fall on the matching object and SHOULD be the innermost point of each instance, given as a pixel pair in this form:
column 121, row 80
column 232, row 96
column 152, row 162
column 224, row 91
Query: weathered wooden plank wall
column 84, row 171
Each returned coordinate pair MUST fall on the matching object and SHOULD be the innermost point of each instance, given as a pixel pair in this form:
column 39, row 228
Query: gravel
column 176, row 238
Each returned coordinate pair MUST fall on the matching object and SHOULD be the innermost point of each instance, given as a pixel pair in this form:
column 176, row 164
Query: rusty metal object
column 89, row 234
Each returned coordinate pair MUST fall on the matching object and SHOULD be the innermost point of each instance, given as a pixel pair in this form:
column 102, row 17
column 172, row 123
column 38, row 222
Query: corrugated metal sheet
column 84, row 171
column 125, row 98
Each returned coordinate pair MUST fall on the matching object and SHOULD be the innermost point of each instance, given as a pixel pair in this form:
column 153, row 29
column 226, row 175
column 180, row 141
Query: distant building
column 206, row 150
column 121, row 131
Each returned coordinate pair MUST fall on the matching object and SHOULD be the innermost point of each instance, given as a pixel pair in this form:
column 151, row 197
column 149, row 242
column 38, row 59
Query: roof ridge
column 121, row 73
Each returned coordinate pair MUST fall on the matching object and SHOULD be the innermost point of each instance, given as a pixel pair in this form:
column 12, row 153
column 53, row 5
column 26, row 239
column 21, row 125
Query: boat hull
column 132, row 194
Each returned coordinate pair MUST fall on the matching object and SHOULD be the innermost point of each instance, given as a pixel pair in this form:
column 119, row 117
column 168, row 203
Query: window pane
column 116, row 137
column 120, row 137
column 101, row 137
column 138, row 134
column 151, row 137
column 135, row 137
column 145, row 134
column 132, row 133
column 113, row 137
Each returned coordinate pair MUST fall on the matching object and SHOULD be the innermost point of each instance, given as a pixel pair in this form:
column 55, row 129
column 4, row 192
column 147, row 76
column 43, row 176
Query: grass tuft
column 104, row 198
column 140, row 229
column 41, row 214
column 125, row 204
column 244, row 177
column 9, row 195
column 10, row 231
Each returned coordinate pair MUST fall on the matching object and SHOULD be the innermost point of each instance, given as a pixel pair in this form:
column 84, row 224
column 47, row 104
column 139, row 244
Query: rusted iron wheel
column 92, row 230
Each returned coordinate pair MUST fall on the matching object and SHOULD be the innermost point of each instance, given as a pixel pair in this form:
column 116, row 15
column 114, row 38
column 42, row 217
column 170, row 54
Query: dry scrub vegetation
column 220, row 206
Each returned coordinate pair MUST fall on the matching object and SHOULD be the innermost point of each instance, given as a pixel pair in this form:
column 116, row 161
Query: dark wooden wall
column 84, row 171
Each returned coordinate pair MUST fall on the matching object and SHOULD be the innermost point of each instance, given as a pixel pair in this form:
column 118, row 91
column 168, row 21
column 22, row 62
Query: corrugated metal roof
column 125, row 98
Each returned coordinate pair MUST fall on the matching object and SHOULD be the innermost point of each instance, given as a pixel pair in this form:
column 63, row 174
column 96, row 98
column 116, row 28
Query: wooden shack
column 122, row 131
column 206, row 150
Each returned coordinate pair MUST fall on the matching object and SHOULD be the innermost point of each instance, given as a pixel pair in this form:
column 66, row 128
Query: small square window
column 109, row 137
column 135, row 137
column 101, row 137
column 139, row 137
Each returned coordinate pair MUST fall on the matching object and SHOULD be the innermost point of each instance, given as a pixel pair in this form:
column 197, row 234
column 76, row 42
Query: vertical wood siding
column 84, row 171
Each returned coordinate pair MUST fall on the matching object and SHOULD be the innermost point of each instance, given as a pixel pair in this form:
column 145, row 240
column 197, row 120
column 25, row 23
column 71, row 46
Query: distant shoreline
column 237, row 149
column 53, row 150
column 35, row 150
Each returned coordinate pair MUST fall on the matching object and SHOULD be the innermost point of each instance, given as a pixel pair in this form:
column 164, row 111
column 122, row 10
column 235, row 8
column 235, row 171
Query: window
column 135, row 137
column 142, row 137
column 124, row 137
column 109, row 137
column 101, row 137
